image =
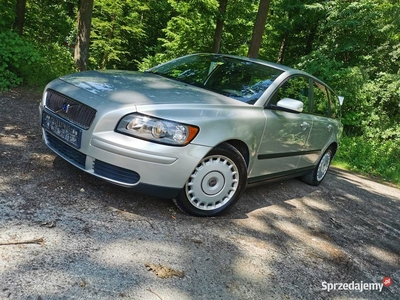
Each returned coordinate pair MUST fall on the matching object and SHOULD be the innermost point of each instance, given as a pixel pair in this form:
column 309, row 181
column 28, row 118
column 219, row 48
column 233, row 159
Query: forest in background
column 354, row 46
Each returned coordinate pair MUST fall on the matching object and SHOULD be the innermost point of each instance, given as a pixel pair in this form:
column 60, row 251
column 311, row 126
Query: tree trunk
column 310, row 40
column 258, row 30
column 219, row 26
column 282, row 49
column 19, row 16
column 81, row 56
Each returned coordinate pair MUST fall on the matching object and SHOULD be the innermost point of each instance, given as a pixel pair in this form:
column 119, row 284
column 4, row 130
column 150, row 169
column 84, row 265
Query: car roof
column 288, row 70
column 255, row 60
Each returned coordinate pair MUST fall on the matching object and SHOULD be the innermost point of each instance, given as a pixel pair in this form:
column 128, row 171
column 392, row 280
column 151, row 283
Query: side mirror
column 341, row 99
column 291, row 104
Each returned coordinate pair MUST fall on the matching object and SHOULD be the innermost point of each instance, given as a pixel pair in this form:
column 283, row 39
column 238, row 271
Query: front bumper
column 146, row 167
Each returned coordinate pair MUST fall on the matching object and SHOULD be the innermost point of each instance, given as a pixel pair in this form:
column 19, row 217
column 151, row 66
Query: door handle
column 305, row 125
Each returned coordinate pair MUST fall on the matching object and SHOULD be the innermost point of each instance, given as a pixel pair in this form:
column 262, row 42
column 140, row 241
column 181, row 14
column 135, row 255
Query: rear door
column 324, row 125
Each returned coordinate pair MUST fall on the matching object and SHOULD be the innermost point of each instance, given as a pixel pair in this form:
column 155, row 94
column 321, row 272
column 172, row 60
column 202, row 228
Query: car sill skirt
column 279, row 176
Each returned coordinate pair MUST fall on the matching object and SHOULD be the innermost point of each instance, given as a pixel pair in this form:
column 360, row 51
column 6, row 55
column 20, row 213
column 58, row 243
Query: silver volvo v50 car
column 197, row 129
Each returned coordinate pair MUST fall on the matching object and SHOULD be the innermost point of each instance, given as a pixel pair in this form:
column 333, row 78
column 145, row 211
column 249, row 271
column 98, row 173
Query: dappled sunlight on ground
column 280, row 241
column 383, row 255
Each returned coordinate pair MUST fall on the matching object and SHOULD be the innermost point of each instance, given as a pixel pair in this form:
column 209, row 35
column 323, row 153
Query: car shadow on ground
column 281, row 241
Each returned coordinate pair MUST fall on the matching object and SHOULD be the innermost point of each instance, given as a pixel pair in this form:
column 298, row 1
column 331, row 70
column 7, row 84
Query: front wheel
column 216, row 184
column 316, row 176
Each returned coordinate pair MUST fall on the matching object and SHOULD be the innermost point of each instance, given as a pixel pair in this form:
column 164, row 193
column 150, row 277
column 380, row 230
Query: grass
column 378, row 160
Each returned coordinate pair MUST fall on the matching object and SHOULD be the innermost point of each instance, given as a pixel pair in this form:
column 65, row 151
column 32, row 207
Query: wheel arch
column 241, row 147
column 217, row 183
column 333, row 147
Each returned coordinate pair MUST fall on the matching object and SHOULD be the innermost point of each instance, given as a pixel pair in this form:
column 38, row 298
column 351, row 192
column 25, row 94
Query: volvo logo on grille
column 66, row 107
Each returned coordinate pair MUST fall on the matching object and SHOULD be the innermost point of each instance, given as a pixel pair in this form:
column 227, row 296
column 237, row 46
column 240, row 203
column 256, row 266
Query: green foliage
column 7, row 13
column 55, row 61
column 16, row 55
column 49, row 21
column 192, row 26
column 154, row 20
column 39, row 56
column 116, row 28
column 239, row 22
column 354, row 46
column 151, row 61
column 23, row 62
column 350, row 21
column 294, row 26
column 191, row 30
column 370, row 156
column 380, row 112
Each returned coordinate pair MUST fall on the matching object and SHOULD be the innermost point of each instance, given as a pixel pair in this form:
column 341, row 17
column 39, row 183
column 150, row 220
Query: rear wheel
column 316, row 176
column 216, row 184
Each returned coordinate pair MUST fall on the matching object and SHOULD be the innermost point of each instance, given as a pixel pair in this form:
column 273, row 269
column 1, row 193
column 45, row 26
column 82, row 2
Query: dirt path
column 66, row 235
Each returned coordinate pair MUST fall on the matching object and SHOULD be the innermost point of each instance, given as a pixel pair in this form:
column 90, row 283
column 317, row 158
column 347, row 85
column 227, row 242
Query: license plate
column 67, row 132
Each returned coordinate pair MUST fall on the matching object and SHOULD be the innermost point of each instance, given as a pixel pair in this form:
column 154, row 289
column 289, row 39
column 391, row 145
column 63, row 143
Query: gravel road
column 67, row 235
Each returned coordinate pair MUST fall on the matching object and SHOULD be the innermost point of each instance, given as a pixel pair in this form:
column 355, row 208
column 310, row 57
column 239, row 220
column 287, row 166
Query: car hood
column 129, row 87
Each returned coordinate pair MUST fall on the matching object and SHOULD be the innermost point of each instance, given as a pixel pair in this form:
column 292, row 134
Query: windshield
column 239, row 79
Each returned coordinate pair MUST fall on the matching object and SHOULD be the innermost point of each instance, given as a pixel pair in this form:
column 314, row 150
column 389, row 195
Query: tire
column 316, row 176
column 216, row 184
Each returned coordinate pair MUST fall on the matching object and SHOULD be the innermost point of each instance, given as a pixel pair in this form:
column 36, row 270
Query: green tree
column 188, row 31
column 195, row 26
column 7, row 14
column 238, row 26
column 118, row 31
column 49, row 21
column 295, row 27
column 36, row 57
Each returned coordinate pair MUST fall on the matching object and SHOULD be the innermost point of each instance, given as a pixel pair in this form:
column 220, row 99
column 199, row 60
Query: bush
column 379, row 113
column 21, row 61
column 55, row 61
column 370, row 156
column 15, row 54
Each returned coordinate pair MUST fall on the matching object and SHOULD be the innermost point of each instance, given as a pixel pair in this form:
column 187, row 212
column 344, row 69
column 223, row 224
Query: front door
column 286, row 134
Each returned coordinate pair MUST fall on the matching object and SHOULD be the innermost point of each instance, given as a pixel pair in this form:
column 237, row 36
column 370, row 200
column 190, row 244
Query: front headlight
column 157, row 130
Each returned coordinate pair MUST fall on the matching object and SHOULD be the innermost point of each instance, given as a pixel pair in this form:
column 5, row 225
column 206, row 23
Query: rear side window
column 320, row 100
column 334, row 104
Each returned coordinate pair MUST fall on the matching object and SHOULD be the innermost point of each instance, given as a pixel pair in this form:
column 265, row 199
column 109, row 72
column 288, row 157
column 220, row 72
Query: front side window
column 240, row 79
column 296, row 88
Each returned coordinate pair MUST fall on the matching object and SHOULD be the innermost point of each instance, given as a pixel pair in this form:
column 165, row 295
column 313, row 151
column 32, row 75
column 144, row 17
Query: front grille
column 67, row 151
column 70, row 109
column 115, row 173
